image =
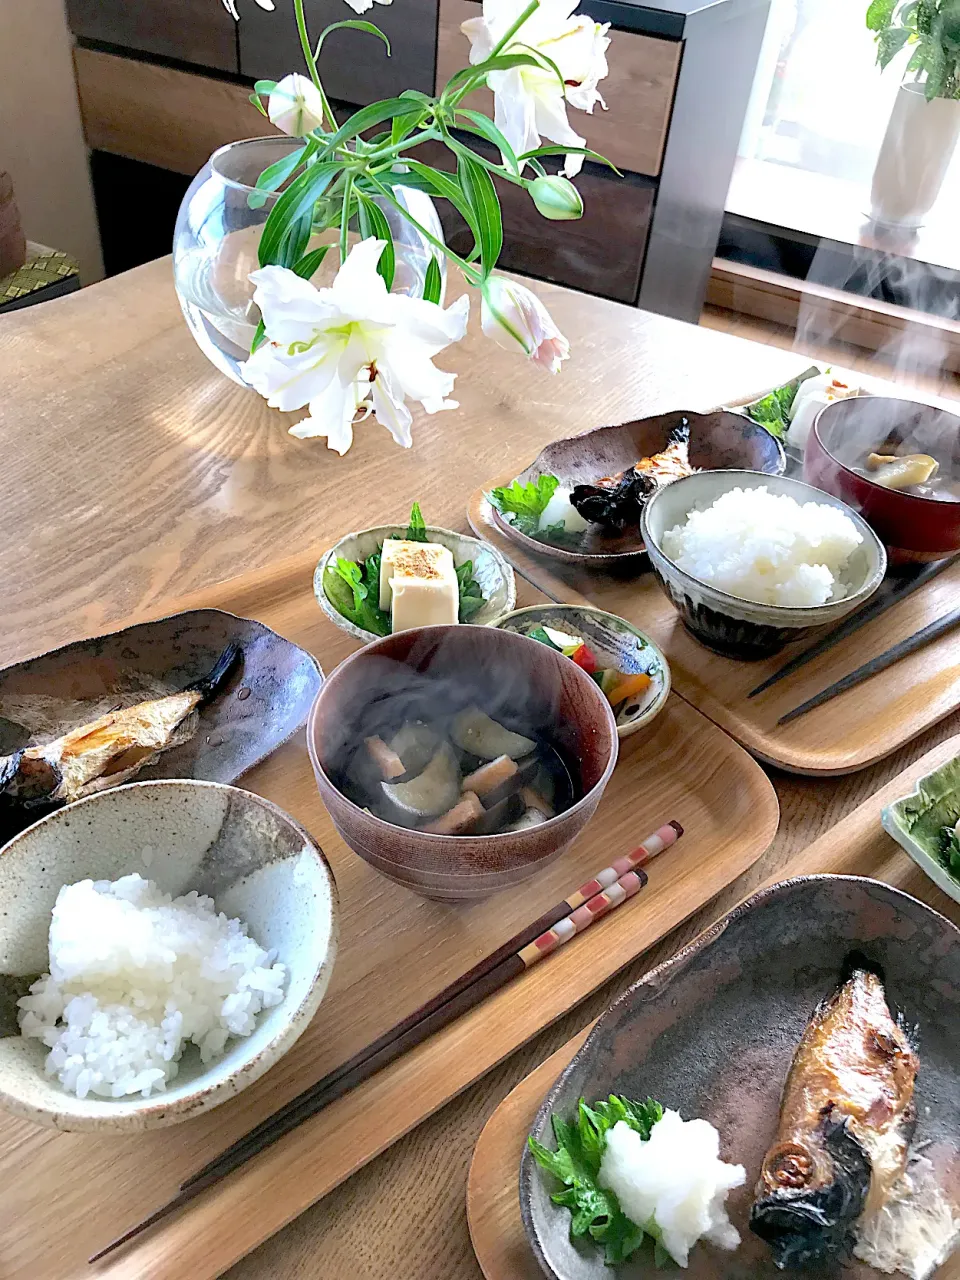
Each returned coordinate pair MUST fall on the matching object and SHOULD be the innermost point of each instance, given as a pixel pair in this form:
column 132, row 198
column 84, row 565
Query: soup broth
column 460, row 772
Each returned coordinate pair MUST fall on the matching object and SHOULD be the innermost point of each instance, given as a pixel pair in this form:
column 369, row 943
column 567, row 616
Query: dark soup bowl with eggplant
column 897, row 462
column 460, row 760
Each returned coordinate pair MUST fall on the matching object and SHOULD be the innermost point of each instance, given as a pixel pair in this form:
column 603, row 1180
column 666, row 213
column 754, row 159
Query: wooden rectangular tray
column 849, row 733
column 65, row 1195
column 857, row 846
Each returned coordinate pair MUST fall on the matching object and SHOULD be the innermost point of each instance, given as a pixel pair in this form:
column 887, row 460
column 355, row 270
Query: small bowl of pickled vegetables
column 394, row 577
column 629, row 668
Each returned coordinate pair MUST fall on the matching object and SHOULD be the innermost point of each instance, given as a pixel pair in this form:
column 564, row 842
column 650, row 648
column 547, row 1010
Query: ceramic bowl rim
column 666, row 682
column 553, row 549
column 466, row 841
column 932, row 869
column 337, row 618
column 896, row 495
column 779, row 612
column 157, row 1111
column 657, row 977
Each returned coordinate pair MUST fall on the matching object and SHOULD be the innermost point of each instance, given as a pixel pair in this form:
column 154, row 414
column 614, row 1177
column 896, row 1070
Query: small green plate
column 915, row 822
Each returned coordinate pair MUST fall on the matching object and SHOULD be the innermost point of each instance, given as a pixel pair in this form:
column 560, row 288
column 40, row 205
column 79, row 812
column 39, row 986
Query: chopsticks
column 611, row 887
column 875, row 665
column 866, row 613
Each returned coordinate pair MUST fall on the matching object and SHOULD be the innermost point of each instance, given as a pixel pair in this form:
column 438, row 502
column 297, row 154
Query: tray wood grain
column 849, row 733
column 67, row 1194
column 856, row 846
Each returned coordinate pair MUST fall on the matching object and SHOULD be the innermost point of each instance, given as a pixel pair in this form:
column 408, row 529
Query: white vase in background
column 914, row 157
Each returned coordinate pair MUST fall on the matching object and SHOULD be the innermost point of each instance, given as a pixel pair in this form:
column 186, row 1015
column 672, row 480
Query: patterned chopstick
column 655, row 844
column 611, row 887
column 628, row 886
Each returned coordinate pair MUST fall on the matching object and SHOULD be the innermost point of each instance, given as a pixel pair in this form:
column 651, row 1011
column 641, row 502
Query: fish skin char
column 617, row 501
column 109, row 750
column 846, row 1119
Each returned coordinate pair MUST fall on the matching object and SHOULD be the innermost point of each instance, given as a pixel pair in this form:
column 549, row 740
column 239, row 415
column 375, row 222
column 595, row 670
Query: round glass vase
column 217, row 234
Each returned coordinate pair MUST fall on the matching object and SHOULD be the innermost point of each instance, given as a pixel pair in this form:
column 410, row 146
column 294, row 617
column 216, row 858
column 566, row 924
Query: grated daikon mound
column 676, row 1178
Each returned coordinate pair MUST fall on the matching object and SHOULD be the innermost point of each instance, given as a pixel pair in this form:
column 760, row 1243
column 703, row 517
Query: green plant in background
column 356, row 349
column 932, row 27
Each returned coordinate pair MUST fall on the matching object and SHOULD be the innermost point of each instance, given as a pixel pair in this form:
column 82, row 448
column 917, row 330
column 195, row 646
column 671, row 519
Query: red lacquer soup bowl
column 911, row 527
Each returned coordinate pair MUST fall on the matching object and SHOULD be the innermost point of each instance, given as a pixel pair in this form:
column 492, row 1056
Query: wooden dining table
column 135, row 474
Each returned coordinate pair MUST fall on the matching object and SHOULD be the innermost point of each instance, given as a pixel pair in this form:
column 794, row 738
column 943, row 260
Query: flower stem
column 345, row 218
column 469, row 273
column 387, row 153
column 528, row 12
column 311, row 64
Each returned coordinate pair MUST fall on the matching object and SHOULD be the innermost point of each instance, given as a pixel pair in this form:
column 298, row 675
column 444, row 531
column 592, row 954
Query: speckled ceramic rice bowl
column 254, row 860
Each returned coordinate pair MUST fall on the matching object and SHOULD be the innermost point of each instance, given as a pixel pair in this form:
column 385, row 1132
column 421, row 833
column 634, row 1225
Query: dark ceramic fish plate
column 263, row 703
column 712, row 1033
column 718, row 441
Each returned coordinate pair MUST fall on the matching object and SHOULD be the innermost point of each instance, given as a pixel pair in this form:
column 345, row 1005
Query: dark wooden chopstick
column 876, row 665
column 866, row 613
column 613, row 885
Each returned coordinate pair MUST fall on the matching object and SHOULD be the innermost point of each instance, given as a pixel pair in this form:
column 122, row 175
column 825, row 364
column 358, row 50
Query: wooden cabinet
column 354, row 64
column 679, row 80
column 197, row 31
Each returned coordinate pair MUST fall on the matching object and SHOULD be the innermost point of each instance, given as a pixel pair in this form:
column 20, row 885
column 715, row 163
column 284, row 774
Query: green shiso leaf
column 595, row 1212
column 471, row 596
column 526, row 503
column 354, row 588
column 417, row 528
column 349, row 590
column 772, row 411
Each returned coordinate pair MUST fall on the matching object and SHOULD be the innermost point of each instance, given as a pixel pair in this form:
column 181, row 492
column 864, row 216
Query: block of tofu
column 418, row 583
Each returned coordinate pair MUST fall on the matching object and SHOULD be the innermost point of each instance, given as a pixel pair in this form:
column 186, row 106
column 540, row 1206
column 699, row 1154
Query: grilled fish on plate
column 846, row 1119
column 617, row 501
column 109, row 750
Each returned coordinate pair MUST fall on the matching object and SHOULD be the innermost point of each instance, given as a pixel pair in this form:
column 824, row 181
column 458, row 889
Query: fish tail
column 857, row 962
column 679, row 434
column 211, row 684
column 9, row 768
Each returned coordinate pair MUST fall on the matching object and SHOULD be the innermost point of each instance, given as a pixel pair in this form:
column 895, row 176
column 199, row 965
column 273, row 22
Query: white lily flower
column 517, row 320
column 296, row 106
column 231, row 7
column 529, row 102
column 351, row 349
column 361, row 6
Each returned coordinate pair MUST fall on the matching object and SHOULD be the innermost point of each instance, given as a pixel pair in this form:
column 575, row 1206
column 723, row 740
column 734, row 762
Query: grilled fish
column 846, row 1119
column 617, row 501
column 107, row 751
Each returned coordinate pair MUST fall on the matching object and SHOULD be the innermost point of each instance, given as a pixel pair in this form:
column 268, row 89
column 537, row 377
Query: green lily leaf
column 485, row 128
column 373, row 222
column 351, row 24
column 298, row 199
column 433, row 282
column 477, row 186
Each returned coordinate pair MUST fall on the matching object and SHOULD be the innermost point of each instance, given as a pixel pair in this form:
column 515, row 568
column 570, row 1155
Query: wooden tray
column 67, row 1194
column 849, row 733
column 856, row 846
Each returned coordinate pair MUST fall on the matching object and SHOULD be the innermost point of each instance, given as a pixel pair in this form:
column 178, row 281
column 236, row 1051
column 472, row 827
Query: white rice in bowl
column 766, row 547
column 135, row 976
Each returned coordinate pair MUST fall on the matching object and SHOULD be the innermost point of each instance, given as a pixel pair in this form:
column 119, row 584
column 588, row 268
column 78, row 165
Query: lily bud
column 517, row 320
column 295, row 106
column 556, row 198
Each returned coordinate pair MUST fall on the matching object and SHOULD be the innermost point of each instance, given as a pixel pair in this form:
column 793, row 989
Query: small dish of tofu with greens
column 393, row 578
